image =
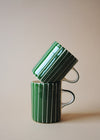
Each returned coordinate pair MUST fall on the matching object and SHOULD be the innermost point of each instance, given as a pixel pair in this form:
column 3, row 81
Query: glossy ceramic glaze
column 46, row 102
column 55, row 64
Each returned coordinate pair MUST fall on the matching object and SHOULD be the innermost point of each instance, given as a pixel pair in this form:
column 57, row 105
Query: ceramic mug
column 46, row 101
column 55, row 64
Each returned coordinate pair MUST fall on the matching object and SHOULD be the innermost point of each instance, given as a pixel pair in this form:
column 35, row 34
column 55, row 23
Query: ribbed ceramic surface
column 55, row 64
column 46, row 102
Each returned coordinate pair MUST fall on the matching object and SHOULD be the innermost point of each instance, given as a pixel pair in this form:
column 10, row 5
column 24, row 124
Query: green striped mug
column 46, row 101
column 55, row 64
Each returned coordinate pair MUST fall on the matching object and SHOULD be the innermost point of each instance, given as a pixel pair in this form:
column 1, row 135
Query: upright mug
column 46, row 101
column 55, row 64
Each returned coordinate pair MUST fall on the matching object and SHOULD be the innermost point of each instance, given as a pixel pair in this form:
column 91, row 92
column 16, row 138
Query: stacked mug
column 46, row 92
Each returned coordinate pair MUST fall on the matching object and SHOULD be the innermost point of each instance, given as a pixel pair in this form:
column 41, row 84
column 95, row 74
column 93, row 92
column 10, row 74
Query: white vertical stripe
column 42, row 101
column 47, row 102
column 52, row 100
column 38, row 103
column 55, row 101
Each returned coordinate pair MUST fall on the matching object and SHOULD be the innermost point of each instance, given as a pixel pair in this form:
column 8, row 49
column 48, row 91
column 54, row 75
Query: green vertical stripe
column 52, row 91
column 32, row 99
column 44, row 103
column 55, row 101
column 49, row 102
column 53, row 109
column 40, row 102
column 35, row 100
column 58, row 102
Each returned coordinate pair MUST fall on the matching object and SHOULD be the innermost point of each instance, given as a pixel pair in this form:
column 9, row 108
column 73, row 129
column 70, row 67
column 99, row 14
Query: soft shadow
column 79, row 116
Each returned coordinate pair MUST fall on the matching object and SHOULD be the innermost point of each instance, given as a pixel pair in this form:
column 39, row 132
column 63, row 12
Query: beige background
column 27, row 29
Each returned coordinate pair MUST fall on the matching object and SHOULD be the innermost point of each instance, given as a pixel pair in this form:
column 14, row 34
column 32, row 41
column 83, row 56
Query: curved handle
column 71, row 101
column 72, row 81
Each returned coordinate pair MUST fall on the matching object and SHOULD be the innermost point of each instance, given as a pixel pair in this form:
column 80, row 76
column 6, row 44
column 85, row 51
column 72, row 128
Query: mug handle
column 71, row 101
column 72, row 81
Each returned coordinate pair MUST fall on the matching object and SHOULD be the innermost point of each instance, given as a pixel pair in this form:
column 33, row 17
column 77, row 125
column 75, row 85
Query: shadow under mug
column 46, row 101
column 55, row 64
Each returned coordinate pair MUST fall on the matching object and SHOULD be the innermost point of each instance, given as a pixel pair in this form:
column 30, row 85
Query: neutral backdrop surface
column 27, row 30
